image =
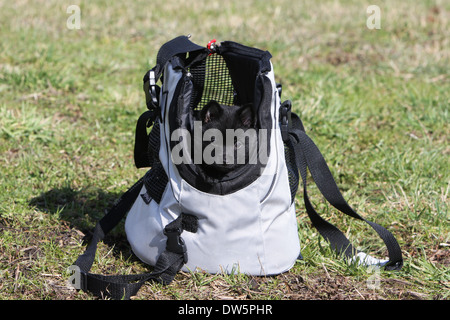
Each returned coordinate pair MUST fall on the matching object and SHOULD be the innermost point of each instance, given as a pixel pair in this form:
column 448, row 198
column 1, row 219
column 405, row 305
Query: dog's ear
column 211, row 111
column 247, row 115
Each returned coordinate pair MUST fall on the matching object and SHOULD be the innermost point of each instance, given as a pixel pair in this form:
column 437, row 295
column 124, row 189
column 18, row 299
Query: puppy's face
column 223, row 127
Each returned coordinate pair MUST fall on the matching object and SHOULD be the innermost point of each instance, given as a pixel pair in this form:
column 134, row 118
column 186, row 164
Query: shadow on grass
column 82, row 210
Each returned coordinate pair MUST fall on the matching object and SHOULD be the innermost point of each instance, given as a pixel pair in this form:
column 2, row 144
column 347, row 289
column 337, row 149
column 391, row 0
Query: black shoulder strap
column 309, row 157
column 169, row 262
column 116, row 287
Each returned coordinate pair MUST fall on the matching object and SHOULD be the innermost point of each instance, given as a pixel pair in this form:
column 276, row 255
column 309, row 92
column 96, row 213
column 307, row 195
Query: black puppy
column 231, row 139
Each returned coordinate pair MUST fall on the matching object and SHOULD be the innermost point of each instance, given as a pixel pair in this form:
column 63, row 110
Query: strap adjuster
column 82, row 281
column 175, row 243
column 212, row 46
column 285, row 119
column 151, row 90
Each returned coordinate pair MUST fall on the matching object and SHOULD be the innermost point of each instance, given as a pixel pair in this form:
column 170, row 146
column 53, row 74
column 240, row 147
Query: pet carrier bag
column 180, row 218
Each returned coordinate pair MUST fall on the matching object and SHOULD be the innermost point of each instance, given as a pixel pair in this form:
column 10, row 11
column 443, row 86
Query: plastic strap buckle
column 175, row 243
column 83, row 281
column 152, row 88
column 285, row 119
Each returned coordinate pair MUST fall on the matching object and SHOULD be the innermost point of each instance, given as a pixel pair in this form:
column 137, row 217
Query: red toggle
column 211, row 46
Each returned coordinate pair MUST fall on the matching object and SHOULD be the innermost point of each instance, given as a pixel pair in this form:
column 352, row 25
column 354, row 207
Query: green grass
column 376, row 102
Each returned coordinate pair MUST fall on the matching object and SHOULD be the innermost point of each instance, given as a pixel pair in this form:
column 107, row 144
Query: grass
column 376, row 102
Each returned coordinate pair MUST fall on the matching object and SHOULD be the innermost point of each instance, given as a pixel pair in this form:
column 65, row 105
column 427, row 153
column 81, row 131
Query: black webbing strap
column 142, row 157
column 169, row 262
column 309, row 157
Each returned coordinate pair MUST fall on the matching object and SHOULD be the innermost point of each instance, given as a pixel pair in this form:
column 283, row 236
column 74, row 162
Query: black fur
column 223, row 117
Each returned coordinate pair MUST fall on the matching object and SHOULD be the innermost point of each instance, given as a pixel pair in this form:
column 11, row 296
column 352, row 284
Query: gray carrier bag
column 180, row 218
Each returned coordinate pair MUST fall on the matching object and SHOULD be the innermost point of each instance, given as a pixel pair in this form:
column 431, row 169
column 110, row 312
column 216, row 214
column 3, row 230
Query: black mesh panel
column 154, row 143
column 217, row 82
column 155, row 181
